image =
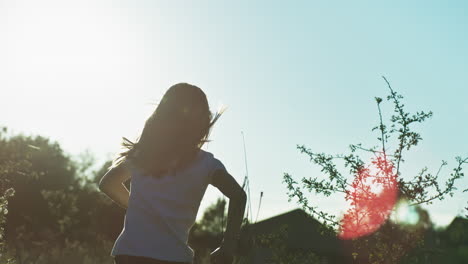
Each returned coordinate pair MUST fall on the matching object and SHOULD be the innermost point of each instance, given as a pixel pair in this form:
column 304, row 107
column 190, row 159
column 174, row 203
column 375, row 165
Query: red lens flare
column 372, row 197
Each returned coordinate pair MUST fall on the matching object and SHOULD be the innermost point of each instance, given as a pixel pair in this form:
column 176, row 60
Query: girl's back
column 162, row 210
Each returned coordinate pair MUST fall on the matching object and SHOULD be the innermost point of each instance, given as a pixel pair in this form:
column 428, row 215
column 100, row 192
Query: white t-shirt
column 162, row 210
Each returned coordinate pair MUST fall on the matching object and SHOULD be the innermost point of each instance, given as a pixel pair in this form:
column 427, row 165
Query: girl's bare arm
column 112, row 184
column 237, row 199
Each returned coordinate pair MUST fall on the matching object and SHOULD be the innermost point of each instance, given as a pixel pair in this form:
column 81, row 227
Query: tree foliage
column 51, row 212
column 213, row 219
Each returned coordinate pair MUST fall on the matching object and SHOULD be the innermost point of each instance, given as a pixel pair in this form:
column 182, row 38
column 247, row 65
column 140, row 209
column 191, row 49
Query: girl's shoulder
column 206, row 155
column 211, row 160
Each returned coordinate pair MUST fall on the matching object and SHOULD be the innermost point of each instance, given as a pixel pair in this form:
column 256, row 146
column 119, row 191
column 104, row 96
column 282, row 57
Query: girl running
column 169, row 173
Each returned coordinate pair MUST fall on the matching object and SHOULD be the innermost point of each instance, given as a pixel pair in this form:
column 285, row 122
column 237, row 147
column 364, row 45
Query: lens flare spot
column 406, row 214
column 372, row 196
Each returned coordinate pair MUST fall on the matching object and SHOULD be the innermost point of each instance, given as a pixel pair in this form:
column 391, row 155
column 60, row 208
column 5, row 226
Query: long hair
column 173, row 134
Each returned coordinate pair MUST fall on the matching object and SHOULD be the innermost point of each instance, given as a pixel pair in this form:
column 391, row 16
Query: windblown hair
column 173, row 134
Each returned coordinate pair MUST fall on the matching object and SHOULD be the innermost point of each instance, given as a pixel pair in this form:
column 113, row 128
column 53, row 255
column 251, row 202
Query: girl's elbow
column 103, row 186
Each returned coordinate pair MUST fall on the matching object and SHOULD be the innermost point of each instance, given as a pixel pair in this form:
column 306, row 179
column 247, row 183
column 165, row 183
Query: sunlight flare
column 405, row 214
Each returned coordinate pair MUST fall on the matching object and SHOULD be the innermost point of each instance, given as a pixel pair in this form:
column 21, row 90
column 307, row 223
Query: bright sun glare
column 406, row 214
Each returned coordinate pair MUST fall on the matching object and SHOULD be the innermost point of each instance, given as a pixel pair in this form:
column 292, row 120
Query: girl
column 169, row 175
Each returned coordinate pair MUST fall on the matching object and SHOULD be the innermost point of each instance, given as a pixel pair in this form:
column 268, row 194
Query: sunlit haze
column 86, row 73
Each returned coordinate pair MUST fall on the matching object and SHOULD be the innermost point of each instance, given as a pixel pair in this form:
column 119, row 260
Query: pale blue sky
column 291, row 72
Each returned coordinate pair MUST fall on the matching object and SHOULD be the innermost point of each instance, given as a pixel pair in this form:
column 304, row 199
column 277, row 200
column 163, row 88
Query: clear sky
column 86, row 73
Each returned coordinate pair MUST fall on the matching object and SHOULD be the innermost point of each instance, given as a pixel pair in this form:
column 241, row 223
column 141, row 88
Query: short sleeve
column 218, row 165
column 215, row 165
